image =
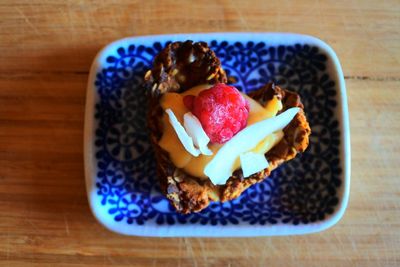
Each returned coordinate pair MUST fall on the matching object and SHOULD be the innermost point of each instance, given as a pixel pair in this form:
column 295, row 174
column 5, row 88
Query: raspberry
column 222, row 111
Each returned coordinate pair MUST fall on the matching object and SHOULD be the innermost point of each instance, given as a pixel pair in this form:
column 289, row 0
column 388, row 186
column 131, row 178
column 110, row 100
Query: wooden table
column 46, row 49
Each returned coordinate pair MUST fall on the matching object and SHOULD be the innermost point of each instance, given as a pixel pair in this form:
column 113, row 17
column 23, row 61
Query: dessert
column 211, row 141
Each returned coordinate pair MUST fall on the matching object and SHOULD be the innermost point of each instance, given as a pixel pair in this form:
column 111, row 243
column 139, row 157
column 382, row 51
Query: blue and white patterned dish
column 305, row 195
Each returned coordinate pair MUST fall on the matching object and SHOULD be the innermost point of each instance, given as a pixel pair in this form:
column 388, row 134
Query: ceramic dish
column 305, row 195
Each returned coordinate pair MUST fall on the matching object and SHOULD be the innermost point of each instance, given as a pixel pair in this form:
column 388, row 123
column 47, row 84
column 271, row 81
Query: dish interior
column 305, row 190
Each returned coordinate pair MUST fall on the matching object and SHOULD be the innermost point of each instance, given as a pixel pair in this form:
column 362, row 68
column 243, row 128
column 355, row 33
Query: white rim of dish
column 207, row 231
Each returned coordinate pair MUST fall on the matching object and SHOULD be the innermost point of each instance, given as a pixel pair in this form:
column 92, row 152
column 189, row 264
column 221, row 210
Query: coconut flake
column 195, row 130
column 242, row 142
column 252, row 163
column 183, row 136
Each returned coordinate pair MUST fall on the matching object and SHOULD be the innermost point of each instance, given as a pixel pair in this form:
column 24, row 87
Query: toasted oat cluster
column 180, row 66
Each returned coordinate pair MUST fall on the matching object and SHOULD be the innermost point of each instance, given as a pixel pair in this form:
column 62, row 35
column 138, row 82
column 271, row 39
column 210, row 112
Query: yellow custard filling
column 195, row 165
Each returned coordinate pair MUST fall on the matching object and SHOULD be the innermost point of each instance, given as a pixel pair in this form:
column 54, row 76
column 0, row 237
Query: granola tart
column 181, row 66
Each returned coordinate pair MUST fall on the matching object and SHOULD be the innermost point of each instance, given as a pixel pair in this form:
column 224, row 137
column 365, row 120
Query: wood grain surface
column 46, row 48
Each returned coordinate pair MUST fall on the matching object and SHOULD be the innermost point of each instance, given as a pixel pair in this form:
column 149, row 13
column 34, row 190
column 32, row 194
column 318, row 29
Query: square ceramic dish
column 305, row 195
